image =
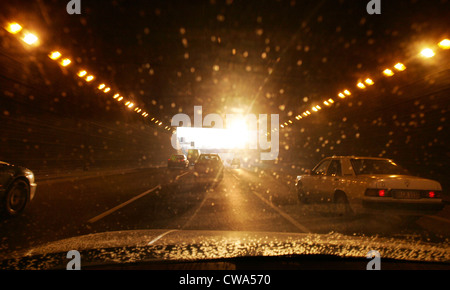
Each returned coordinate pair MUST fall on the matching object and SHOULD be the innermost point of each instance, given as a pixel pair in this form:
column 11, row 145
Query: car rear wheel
column 301, row 195
column 341, row 205
column 16, row 198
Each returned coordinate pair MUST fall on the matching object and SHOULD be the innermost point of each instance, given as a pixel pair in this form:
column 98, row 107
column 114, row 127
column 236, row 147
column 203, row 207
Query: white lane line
column 279, row 211
column 438, row 218
column 234, row 176
column 160, row 236
column 283, row 214
column 181, row 175
column 110, row 211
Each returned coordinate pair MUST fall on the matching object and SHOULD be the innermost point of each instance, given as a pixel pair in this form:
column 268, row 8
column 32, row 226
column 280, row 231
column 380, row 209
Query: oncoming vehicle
column 178, row 160
column 209, row 166
column 369, row 185
column 17, row 189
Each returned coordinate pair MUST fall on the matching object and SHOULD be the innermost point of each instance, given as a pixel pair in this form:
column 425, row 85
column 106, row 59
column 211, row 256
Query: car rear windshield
column 209, row 157
column 178, row 157
column 375, row 166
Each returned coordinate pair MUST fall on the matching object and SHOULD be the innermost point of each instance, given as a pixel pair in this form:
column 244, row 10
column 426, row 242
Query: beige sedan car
column 368, row 185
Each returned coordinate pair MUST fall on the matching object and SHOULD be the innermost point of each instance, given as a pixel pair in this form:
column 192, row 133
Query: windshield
column 101, row 101
column 178, row 157
column 209, row 158
column 373, row 166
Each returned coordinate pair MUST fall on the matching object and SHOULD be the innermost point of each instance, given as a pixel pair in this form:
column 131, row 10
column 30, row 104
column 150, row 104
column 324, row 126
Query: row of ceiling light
column 31, row 39
column 362, row 84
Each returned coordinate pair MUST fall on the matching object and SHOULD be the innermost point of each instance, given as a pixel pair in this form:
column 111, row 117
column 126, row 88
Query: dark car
column 17, row 189
column 209, row 166
column 236, row 162
column 193, row 155
column 178, row 160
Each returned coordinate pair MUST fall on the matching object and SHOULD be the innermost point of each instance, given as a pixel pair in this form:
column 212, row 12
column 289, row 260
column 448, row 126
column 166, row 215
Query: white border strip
column 110, row 211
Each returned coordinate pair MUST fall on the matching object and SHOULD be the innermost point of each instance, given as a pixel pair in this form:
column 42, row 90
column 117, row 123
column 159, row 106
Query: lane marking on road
column 279, row 211
column 160, row 236
column 234, row 176
column 283, row 214
column 181, row 175
column 191, row 218
column 438, row 218
column 110, row 211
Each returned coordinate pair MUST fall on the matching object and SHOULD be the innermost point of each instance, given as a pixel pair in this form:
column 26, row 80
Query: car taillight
column 434, row 194
column 377, row 192
column 430, row 194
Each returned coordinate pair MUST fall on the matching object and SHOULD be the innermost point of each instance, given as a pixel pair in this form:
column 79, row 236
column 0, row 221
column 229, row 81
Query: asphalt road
column 162, row 198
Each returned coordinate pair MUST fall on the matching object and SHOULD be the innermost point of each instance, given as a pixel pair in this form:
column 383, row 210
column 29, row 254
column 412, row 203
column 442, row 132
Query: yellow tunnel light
column 347, row 92
column 305, row 114
column 131, row 105
column 281, row 126
column 54, row 55
column 82, row 73
column 341, row 95
column 120, row 99
column 89, row 78
column 107, row 90
column 160, row 123
column 326, row 103
column 101, row 87
column 388, row 72
column 400, row 66
column 361, row 85
column 369, row 81
column 14, row 28
column 65, row 62
column 427, row 52
column 318, row 107
column 444, row 44
column 116, row 96
column 30, row 38
column 330, row 101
